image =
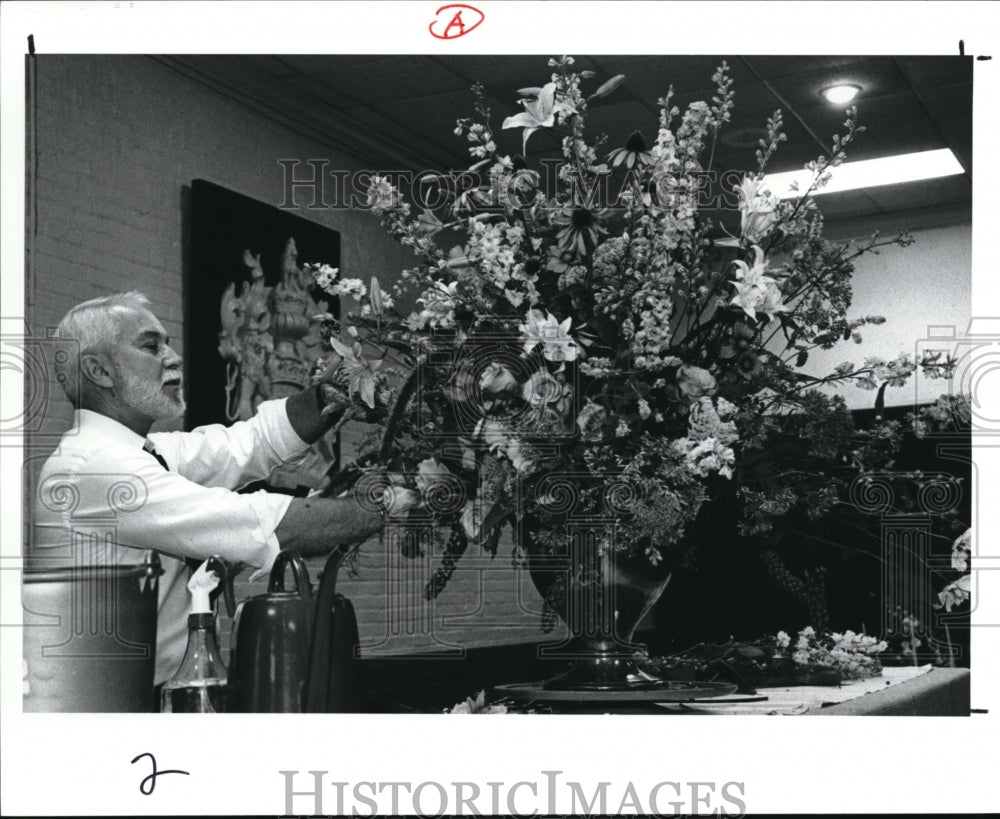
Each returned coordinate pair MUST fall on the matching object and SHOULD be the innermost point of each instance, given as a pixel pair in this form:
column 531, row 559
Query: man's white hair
column 90, row 327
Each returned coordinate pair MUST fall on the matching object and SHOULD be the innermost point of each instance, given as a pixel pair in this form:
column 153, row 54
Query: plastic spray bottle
column 199, row 686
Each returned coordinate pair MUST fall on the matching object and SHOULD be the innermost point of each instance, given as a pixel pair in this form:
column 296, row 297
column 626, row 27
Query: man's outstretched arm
column 314, row 526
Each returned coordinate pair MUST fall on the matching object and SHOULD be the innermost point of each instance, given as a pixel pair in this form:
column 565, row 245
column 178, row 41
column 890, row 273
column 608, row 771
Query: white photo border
column 80, row 764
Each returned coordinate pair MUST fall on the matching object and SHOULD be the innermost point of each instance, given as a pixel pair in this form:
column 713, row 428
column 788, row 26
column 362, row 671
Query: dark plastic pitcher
column 270, row 644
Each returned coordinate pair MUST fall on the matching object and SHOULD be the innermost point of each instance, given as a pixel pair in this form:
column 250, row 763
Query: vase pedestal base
column 603, row 671
column 665, row 691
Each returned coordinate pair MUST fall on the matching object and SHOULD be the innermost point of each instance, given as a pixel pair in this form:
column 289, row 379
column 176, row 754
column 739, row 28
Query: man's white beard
column 149, row 398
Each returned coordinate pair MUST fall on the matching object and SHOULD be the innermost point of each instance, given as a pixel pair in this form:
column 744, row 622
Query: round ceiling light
column 839, row 94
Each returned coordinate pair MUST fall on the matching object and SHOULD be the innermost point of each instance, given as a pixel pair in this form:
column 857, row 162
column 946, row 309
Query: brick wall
column 119, row 140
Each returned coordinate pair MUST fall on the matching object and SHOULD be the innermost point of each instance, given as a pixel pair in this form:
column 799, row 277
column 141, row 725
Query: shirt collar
column 90, row 422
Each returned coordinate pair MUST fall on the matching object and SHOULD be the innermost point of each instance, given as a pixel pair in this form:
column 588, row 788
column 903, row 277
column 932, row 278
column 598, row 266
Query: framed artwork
column 251, row 331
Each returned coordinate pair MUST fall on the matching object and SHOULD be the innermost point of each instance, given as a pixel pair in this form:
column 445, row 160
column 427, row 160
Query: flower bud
column 589, row 421
column 375, row 297
column 695, row 382
column 608, row 87
column 496, row 378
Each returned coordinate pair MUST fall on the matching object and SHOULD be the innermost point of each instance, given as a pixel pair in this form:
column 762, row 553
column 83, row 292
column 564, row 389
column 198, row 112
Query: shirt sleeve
column 219, row 456
column 176, row 516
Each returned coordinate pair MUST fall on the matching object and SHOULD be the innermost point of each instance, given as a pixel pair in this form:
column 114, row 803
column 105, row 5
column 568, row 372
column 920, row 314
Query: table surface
column 942, row 692
column 900, row 691
column 905, row 691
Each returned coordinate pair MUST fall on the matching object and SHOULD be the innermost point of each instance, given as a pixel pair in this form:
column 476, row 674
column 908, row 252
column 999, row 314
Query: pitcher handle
column 314, row 695
column 299, row 572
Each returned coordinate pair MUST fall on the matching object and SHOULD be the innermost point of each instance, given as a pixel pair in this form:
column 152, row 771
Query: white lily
column 539, row 112
column 754, row 289
column 961, row 550
column 956, row 593
column 758, row 210
column 557, row 343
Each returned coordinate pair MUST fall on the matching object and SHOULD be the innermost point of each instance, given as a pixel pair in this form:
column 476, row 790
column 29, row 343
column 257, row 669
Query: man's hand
column 313, row 526
column 333, row 401
column 308, row 411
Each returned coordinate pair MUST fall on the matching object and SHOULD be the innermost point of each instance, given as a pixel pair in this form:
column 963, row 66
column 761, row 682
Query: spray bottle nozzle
column 201, row 584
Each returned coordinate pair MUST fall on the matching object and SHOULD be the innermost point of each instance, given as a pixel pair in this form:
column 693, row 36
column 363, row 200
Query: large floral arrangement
column 562, row 340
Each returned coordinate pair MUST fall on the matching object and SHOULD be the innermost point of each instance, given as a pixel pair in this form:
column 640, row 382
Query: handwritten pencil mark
column 148, row 784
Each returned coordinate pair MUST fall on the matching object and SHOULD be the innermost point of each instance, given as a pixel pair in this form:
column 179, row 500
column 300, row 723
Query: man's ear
column 97, row 370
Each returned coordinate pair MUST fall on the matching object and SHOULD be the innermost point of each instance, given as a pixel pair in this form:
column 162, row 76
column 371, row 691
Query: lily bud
column 375, row 297
column 608, row 87
column 428, row 222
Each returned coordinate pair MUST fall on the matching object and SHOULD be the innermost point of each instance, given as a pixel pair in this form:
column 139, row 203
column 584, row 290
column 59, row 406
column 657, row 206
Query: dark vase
column 601, row 595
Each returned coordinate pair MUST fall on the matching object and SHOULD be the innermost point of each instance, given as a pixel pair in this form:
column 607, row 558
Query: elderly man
column 176, row 489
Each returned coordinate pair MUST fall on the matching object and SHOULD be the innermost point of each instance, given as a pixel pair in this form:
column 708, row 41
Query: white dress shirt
column 101, row 472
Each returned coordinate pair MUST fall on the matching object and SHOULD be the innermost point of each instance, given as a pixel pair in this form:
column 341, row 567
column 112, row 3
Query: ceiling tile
column 493, row 69
column 430, row 115
column 958, row 136
column 848, row 203
column 648, row 79
column 947, row 102
column 275, row 66
column 738, row 149
column 496, row 70
column 387, row 80
column 930, row 72
column 307, row 64
column 660, row 71
column 437, row 149
column 894, row 124
column 924, row 193
column 781, row 66
column 618, row 122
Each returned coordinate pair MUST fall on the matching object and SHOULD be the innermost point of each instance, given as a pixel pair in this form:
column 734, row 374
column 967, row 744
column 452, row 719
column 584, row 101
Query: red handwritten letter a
column 455, row 21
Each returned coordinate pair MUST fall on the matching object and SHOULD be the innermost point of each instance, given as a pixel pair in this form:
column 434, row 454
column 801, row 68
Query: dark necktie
column 223, row 569
column 148, row 447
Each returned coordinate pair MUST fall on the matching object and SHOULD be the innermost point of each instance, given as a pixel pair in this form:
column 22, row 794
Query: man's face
column 147, row 372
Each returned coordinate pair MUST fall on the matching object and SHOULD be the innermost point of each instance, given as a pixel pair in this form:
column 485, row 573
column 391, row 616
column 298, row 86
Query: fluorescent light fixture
column 839, row 94
column 868, row 173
